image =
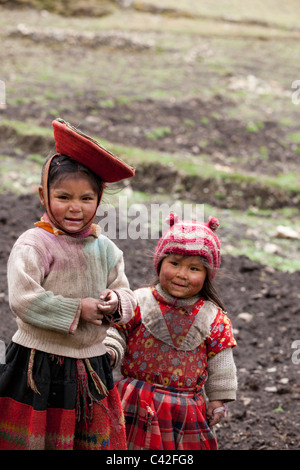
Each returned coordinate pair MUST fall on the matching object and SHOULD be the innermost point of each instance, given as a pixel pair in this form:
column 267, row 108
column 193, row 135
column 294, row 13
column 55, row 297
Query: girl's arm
column 221, row 377
column 33, row 304
column 221, row 384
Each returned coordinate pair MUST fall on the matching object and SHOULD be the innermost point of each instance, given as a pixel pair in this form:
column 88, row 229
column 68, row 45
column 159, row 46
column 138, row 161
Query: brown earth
column 266, row 414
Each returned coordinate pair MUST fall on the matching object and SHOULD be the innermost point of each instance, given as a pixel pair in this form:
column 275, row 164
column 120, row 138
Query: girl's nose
column 74, row 206
column 182, row 272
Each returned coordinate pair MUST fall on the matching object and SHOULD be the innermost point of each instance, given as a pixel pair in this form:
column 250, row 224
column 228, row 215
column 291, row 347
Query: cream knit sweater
column 48, row 275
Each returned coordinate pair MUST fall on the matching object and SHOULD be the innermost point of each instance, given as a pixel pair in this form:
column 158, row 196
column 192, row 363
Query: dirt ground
column 266, row 414
column 263, row 303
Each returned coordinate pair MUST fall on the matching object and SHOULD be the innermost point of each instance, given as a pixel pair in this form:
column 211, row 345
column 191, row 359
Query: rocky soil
column 263, row 303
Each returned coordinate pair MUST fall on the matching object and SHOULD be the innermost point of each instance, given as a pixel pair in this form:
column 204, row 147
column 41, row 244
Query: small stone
column 272, row 389
column 247, row 317
column 286, row 232
column 284, row 380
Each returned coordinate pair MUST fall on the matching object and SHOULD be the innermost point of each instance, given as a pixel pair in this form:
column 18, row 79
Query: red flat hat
column 73, row 143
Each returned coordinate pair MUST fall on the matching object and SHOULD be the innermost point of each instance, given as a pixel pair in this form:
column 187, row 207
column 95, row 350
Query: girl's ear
column 41, row 195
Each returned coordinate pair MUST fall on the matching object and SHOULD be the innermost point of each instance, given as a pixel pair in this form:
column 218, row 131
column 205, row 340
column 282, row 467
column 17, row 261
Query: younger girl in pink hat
column 179, row 340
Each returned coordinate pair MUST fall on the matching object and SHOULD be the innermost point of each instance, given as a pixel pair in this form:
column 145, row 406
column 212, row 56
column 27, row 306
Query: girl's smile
column 182, row 276
column 73, row 202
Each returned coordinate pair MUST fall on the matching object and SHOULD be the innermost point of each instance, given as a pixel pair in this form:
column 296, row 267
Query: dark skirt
column 55, row 402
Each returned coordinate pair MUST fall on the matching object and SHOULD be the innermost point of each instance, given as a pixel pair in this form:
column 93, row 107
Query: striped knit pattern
column 190, row 238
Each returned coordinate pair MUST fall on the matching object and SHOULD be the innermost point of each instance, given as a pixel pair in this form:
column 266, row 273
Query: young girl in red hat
column 66, row 287
column 178, row 340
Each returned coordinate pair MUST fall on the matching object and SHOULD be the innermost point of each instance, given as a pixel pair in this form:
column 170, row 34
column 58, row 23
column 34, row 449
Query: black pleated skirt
column 54, row 402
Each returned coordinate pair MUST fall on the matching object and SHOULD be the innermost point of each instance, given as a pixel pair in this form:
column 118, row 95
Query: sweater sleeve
column 221, row 371
column 118, row 336
column 118, row 282
column 115, row 340
column 30, row 301
column 222, row 381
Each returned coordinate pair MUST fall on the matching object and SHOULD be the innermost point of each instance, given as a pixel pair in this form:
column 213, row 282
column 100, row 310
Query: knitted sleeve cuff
column 115, row 341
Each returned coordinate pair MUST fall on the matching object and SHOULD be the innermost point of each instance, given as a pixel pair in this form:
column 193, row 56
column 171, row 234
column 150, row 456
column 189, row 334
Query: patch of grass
column 264, row 154
column 257, row 253
column 204, row 120
column 254, row 126
column 288, row 181
column 25, row 128
column 251, row 230
column 19, row 177
column 294, row 137
column 37, row 158
column 109, row 103
column 189, row 122
column 191, row 166
column 158, row 133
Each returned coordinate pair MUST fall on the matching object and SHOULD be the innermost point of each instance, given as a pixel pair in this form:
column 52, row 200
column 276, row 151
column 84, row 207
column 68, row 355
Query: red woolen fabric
column 87, row 151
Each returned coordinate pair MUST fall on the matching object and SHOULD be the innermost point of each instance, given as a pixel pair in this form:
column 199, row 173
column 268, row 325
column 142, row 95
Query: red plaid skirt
column 56, row 403
column 162, row 418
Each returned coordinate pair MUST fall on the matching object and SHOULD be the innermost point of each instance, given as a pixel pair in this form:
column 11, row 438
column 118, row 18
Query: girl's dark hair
column 209, row 291
column 62, row 166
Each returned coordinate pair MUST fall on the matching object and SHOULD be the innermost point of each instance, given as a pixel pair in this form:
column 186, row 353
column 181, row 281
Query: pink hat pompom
column 172, row 219
column 213, row 223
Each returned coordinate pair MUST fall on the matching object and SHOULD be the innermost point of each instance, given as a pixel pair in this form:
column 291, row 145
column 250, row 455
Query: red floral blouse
column 149, row 359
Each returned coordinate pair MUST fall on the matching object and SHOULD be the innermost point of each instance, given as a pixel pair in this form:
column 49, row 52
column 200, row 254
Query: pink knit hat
column 188, row 237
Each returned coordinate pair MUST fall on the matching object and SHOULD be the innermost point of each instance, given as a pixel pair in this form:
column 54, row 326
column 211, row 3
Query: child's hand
column 108, row 302
column 215, row 412
column 90, row 311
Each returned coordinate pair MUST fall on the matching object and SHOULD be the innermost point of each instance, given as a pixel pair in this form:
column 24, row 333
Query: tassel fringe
column 30, row 380
column 84, row 400
column 100, row 386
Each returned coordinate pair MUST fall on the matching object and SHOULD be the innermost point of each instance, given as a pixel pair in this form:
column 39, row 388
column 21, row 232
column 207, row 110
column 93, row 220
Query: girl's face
column 182, row 276
column 73, row 202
